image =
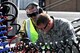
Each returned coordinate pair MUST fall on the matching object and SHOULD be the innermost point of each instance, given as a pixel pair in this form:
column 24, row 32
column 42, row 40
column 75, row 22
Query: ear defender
column 40, row 10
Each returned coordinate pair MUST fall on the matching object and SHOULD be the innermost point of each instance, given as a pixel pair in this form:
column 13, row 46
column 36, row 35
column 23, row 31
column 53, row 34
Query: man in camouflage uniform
column 55, row 30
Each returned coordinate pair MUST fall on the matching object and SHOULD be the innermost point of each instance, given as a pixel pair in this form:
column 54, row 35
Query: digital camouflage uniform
column 61, row 30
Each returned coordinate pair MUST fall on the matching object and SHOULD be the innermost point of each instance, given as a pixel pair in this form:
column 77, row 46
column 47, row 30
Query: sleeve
column 23, row 29
column 40, row 38
column 69, row 32
column 23, row 26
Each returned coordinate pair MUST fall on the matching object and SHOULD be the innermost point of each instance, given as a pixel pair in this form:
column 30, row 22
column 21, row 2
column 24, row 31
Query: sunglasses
column 33, row 14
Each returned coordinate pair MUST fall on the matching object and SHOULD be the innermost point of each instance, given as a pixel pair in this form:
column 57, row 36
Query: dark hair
column 42, row 18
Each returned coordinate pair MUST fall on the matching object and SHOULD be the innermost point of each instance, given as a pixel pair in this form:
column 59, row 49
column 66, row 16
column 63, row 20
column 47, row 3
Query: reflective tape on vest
column 31, row 32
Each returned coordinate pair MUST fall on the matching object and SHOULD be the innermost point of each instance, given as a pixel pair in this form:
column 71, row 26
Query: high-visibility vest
column 31, row 32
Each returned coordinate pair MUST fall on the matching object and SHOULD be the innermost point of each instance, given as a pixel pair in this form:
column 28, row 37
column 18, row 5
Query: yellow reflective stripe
column 31, row 32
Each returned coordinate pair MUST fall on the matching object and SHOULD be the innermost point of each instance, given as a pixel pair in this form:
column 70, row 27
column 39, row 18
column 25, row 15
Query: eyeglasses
column 46, row 25
column 42, row 27
column 33, row 14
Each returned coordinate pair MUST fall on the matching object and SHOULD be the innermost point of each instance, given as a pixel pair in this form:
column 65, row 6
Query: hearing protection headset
column 40, row 10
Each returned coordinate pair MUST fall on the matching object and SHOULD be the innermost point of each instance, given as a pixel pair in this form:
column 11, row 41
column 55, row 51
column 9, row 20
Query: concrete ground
column 67, row 15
